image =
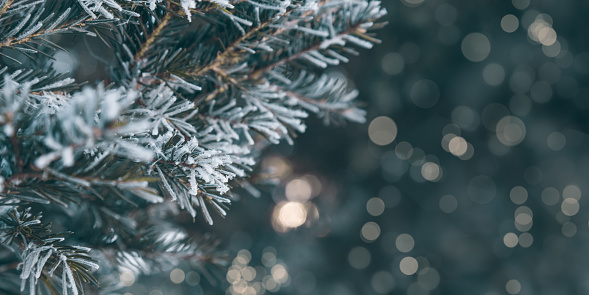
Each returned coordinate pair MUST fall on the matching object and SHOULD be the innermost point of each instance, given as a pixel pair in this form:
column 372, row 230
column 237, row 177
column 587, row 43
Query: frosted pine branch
column 194, row 92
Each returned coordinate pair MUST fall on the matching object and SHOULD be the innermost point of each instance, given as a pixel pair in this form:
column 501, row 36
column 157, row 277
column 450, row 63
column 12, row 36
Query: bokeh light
column 476, row 47
column 382, row 130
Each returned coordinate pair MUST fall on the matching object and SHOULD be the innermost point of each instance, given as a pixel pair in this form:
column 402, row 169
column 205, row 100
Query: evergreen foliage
column 197, row 89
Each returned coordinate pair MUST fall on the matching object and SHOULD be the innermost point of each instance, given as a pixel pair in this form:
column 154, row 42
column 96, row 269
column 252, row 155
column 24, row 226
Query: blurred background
column 469, row 176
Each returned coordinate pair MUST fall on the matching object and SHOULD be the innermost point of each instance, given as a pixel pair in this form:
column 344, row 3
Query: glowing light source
column 359, row 258
column 513, row 287
column 448, row 203
column 405, row 243
column 431, row 171
column 279, row 273
column 510, row 131
column 177, row 276
column 127, row 278
column 510, row 240
column 476, row 47
column 457, row 146
column 288, row 215
column 298, row 190
column 550, row 196
column 493, row 74
column 509, row 23
column 570, row 206
column 518, row 195
column 382, row 130
column 571, row 191
column 370, row 231
column 408, row 265
column 375, row 206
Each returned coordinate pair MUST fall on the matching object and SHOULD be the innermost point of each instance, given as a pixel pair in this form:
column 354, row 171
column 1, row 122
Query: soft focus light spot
column 469, row 152
column 393, row 63
column 127, row 278
column 431, row 171
column 550, row 196
column 417, row 157
column 547, row 36
column 177, row 276
column 569, row 229
column 510, row 131
column 446, row 141
column 156, row 292
column 552, row 50
column 513, row 287
column 279, row 273
column 509, row 23
column 493, row 74
column 448, row 204
column 520, row 4
column 476, row 47
column 277, row 166
column 288, row 215
column 526, row 240
column 405, row 243
column 570, row 207
column 408, row 265
column 428, row 278
column 457, row 146
column 375, row 206
column 192, row 278
column 412, row 3
column 523, row 218
column 248, row 273
column 571, row 191
column 518, row 195
column 268, row 259
column 403, row 150
column 425, row 93
column 244, row 257
column 465, row 117
column 359, row 258
column 270, row 284
column 370, row 231
column 314, row 182
column 292, row 214
column 541, row 30
column 481, row 189
column 233, row 276
column 556, row 141
column 298, row 190
column 382, row 282
column 510, row 240
column 521, row 80
column 382, row 130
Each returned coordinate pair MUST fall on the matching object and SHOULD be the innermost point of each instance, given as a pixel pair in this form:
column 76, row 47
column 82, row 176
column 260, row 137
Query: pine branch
column 198, row 89
column 41, row 256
